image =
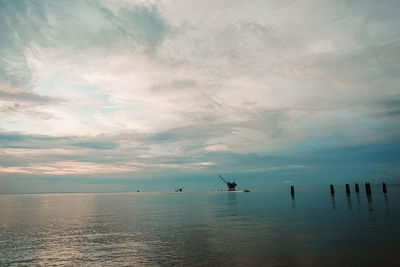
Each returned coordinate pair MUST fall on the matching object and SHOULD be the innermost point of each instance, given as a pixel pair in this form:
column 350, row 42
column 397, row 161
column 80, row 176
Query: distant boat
column 178, row 189
column 246, row 190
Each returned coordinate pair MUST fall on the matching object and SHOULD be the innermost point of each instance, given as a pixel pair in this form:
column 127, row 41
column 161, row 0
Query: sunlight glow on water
column 201, row 229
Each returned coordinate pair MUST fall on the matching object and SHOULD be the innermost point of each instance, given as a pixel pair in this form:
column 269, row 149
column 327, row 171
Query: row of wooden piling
column 357, row 189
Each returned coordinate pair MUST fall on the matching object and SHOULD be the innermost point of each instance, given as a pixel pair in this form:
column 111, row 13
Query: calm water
column 201, row 229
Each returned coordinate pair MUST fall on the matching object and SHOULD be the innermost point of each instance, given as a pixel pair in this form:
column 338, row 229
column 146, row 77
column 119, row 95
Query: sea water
column 264, row 228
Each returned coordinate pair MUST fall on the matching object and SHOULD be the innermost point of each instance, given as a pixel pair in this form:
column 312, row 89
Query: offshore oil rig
column 231, row 185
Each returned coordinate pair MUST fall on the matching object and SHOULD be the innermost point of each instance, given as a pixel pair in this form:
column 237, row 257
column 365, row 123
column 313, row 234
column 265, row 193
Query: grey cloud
column 23, row 150
column 392, row 103
column 10, row 108
column 356, row 74
column 26, row 109
column 175, row 85
column 18, row 101
column 143, row 24
column 190, row 133
column 389, row 107
column 124, row 147
column 246, row 47
column 96, row 145
column 195, row 137
column 74, row 26
column 28, row 97
column 395, row 112
column 18, row 140
column 17, row 33
column 240, row 44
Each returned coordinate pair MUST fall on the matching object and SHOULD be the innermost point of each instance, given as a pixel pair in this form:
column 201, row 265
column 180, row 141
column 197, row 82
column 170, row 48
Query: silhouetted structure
column 332, row 189
column 368, row 189
column 357, row 189
column 231, row 186
column 348, row 189
column 292, row 190
column 384, row 188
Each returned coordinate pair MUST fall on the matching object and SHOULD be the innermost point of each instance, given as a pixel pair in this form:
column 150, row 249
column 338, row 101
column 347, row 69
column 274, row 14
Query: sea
column 209, row 228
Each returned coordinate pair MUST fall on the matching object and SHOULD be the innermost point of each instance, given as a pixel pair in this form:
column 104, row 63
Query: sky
column 126, row 95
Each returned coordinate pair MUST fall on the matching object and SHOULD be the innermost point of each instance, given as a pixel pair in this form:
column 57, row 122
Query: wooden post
column 292, row 190
column 357, row 189
column 332, row 189
column 384, row 188
column 368, row 189
column 348, row 189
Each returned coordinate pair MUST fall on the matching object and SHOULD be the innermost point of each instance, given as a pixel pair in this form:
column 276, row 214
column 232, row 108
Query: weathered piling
column 348, row 189
column 357, row 189
column 332, row 189
column 292, row 190
column 368, row 189
column 384, row 188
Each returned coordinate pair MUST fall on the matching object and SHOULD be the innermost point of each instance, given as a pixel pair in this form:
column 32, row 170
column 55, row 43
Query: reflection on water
column 370, row 206
column 333, row 202
column 386, row 202
column 232, row 206
column 348, row 201
column 293, row 203
column 358, row 200
column 199, row 229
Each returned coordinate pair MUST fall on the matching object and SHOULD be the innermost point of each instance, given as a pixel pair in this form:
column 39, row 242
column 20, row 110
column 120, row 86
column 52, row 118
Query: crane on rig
column 231, row 185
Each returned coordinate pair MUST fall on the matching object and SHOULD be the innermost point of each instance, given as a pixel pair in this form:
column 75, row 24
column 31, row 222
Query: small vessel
column 178, row 189
column 246, row 190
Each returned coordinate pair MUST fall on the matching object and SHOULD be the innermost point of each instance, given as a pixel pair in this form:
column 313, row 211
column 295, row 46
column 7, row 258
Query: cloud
column 193, row 86
column 14, row 94
column 71, row 168
column 17, row 140
column 62, row 35
column 388, row 107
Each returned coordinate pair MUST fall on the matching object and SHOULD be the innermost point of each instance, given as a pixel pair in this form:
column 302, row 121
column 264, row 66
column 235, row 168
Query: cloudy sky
column 121, row 95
